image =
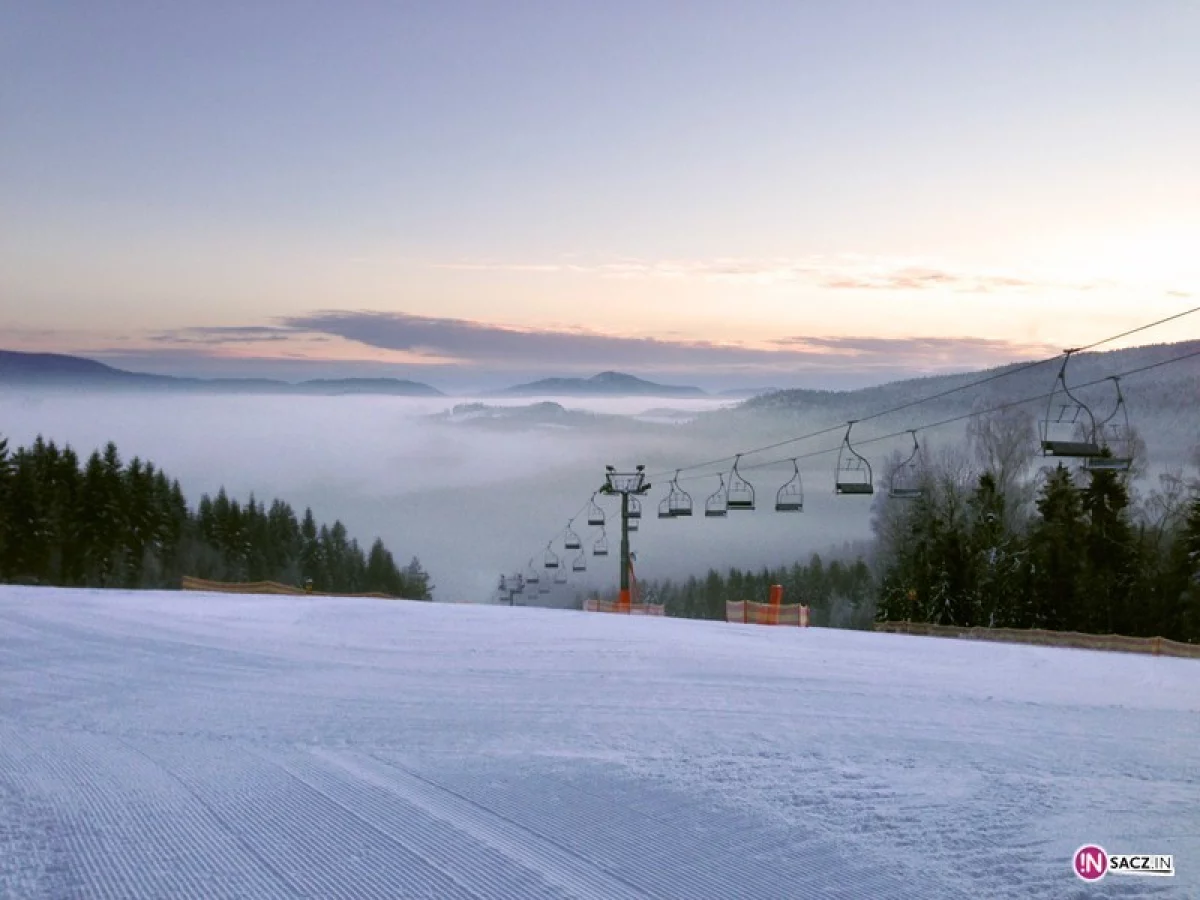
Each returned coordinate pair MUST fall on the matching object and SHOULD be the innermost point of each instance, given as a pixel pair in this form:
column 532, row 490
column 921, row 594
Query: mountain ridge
column 62, row 370
column 607, row 383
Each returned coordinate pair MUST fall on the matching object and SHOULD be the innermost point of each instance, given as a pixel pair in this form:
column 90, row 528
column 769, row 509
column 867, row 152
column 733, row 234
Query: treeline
column 998, row 538
column 1068, row 549
column 838, row 594
column 106, row 523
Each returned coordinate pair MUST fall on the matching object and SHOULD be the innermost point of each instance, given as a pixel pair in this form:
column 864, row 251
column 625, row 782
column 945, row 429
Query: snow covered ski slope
column 166, row 745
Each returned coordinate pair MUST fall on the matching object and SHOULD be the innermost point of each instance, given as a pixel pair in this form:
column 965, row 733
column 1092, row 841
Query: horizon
column 794, row 196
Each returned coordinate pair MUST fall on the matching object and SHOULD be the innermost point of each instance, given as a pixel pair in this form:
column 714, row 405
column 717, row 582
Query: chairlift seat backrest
column 790, row 497
column 853, row 471
column 740, row 494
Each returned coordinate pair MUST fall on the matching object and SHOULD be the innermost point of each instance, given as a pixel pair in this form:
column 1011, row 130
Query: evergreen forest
column 1000, row 536
column 104, row 522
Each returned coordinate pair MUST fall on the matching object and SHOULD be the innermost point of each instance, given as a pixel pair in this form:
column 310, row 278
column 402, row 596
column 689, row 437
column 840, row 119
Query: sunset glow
column 183, row 188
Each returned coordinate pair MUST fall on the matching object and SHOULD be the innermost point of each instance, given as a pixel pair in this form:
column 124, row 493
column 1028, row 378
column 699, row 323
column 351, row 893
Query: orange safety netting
column 751, row 613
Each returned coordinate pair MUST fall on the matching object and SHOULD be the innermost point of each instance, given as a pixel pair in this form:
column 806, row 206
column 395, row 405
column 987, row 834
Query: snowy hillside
column 160, row 745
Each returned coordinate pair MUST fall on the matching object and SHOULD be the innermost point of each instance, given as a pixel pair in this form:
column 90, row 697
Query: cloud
column 843, row 272
column 226, row 334
column 499, row 346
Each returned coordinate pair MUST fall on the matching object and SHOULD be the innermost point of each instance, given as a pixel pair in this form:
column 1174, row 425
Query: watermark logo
column 1091, row 863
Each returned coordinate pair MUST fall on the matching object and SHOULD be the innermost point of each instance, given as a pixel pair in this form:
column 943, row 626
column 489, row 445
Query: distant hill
column 1024, row 381
column 737, row 393
column 606, row 384
column 56, row 370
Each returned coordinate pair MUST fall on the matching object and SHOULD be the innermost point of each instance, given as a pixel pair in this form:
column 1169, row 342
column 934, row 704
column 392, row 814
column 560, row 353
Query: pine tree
column 1187, row 576
column 1056, row 564
column 1110, row 555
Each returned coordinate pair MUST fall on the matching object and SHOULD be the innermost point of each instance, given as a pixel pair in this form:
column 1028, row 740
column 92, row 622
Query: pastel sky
column 779, row 193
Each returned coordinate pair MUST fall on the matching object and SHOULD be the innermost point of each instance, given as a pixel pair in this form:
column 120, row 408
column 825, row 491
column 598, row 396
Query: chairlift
column 716, row 505
column 560, row 577
column 517, row 586
column 1071, row 431
column 680, row 500
column 853, row 474
column 635, row 507
column 740, row 494
column 633, row 523
column 571, row 541
column 906, row 479
column 1115, row 437
column 580, row 563
column 600, row 548
column 550, row 560
column 532, row 576
column 790, row 497
column 544, row 588
column 595, row 515
column 677, row 503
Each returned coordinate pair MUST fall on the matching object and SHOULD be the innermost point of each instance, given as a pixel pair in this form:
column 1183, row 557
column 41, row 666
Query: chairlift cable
column 981, row 412
column 939, row 424
column 941, row 394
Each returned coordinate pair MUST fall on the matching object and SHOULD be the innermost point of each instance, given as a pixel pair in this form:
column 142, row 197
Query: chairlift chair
column 600, row 548
column 595, row 515
column 1115, row 437
column 679, row 500
column 560, row 577
column 740, row 494
column 633, row 523
column 715, row 506
column 635, row 507
column 853, row 475
column 571, row 541
column 677, row 503
column 532, row 576
column 580, row 563
column 1071, row 431
column 550, row 560
column 906, row 479
column 517, row 586
column 790, row 497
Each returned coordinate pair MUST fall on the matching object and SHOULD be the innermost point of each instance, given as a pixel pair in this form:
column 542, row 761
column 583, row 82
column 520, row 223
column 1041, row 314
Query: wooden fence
column 1157, row 646
column 262, row 587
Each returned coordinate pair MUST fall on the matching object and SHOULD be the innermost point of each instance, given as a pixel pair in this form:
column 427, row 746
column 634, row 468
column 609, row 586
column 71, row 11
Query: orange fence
column 614, row 606
column 261, row 587
column 751, row 613
column 1158, row 646
column 773, row 612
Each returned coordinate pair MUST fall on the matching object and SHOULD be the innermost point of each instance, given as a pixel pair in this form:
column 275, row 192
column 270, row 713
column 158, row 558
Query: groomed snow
column 167, row 745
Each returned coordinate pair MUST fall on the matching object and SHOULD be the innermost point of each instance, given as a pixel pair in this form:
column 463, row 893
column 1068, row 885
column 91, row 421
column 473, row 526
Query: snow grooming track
column 514, row 844
column 320, row 845
column 133, row 831
column 682, row 849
